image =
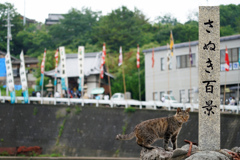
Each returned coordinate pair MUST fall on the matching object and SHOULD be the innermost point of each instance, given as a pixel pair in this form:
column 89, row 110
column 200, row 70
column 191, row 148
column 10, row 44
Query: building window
column 155, row 96
column 183, row 61
column 190, row 95
column 169, row 63
column 162, row 64
column 182, row 95
column 161, row 95
column 233, row 55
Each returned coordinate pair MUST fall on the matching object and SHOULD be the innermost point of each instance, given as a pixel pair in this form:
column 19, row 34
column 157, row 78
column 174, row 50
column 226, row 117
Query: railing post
column 97, row 103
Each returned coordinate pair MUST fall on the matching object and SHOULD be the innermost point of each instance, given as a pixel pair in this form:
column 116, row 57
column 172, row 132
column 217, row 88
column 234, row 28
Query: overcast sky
column 180, row 9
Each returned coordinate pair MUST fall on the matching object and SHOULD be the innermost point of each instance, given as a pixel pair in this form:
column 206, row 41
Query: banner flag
column 41, row 80
column 25, row 95
column 43, row 68
column 226, row 60
column 10, row 80
column 190, row 54
column 56, row 65
column 120, row 58
column 138, row 57
column 63, row 68
column 13, row 97
column 81, row 67
column 103, row 61
column 153, row 58
column 171, row 43
column 23, row 77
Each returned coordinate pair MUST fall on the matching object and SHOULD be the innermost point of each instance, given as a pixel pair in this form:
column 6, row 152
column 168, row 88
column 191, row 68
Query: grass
column 129, row 110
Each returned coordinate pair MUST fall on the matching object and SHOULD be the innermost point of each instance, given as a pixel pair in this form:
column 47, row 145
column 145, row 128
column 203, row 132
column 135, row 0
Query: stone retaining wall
column 91, row 131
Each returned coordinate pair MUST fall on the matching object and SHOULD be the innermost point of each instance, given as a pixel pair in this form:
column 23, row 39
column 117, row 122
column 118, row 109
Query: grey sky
column 39, row 9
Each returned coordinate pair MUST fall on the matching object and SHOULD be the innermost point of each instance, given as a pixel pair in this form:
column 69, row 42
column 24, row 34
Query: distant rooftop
column 53, row 19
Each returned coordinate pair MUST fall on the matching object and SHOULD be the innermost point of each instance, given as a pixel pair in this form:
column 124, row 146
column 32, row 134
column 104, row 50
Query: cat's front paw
column 168, row 149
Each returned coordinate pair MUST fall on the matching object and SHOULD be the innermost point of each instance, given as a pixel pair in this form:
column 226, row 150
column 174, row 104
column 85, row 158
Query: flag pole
column 190, row 62
column 124, row 83
column 153, row 74
column 138, row 66
column 224, row 91
column 238, row 92
column 109, row 82
column 139, row 84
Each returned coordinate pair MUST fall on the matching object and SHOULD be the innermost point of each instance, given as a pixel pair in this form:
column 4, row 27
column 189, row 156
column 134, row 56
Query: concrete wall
column 92, row 131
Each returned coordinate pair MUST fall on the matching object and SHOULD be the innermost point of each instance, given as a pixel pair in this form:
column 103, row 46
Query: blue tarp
column 17, row 87
column 2, row 67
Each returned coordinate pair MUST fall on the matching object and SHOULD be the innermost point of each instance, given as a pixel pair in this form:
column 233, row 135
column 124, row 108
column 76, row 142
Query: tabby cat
column 147, row 132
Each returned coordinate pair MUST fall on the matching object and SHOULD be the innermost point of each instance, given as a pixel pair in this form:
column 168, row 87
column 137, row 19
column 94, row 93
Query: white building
column 181, row 80
column 92, row 62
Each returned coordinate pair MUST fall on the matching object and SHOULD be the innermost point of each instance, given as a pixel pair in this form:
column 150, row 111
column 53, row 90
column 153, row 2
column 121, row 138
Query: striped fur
column 147, row 132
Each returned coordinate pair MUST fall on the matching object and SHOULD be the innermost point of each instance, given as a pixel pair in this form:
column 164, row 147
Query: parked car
column 169, row 98
column 117, row 96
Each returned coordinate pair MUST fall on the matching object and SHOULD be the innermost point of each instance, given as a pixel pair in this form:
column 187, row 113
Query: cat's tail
column 125, row 137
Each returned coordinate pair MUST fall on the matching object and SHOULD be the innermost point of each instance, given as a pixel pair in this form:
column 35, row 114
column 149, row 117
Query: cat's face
column 182, row 116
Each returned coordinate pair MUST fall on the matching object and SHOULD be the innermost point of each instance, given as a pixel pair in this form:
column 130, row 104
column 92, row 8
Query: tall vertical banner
column 63, row 68
column 104, row 53
column 23, row 78
column 120, row 58
column 226, row 60
column 10, row 80
column 153, row 58
column 209, row 78
column 56, row 65
column 138, row 57
column 43, row 68
column 171, row 43
column 81, row 67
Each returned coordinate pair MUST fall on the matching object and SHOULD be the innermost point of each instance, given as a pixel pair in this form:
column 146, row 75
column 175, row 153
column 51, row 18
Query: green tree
column 75, row 29
column 34, row 39
column 17, row 26
column 230, row 15
column 122, row 27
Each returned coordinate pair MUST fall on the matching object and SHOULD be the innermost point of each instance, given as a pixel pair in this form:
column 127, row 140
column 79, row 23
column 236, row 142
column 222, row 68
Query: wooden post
column 209, row 78
column 109, row 82
column 124, row 83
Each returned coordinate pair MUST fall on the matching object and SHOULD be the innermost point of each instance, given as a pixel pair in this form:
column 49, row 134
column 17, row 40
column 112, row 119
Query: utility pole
column 9, row 37
column 24, row 17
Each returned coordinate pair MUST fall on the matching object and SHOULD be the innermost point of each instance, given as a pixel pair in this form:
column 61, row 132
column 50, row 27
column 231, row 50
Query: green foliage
column 230, row 16
column 4, row 153
column 15, row 48
column 35, row 110
column 124, row 128
column 129, row 110
column 68, row 110
column 121, row 27
column 77, row 109
column 61, row 128
column 75, row 29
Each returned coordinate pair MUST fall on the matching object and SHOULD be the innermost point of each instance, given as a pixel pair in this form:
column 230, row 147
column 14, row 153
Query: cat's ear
column 179, row 110
column 187, row 110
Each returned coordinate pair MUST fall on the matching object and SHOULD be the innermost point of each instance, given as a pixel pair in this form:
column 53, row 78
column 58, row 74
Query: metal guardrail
column 125, row 103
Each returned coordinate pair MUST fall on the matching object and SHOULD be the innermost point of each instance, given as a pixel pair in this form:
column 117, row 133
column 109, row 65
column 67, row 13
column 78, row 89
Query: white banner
column 23, row 73
column 63, row 68
column 81, row 63
column 10, row 80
